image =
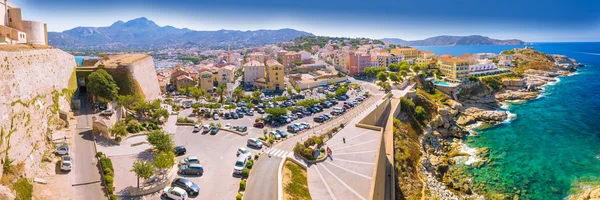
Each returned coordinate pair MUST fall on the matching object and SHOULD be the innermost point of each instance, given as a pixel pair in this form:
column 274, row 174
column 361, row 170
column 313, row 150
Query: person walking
column 344, row 139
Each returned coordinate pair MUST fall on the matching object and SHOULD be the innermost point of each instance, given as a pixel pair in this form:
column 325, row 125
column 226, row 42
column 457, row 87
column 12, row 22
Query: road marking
column 344, row 183
column 367, row 131
column 356, row 152
column 357, row 162
column 357, row 144
column 325, row 183
column 358, row 174
column 280, row 154
column 290, row 154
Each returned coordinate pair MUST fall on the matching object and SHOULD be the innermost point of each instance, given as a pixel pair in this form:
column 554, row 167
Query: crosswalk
column 279, row 153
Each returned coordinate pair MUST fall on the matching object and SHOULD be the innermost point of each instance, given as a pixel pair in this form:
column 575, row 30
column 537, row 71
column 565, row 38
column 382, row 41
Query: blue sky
column 529, row 20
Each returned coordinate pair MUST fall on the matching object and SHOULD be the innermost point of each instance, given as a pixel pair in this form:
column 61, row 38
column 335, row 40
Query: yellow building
column 274, row 77
column 454, row 68
column 409, row 53
column 423, row 61
column 206, row 81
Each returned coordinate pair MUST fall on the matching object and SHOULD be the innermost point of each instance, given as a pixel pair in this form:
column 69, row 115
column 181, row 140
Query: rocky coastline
column 452, row 120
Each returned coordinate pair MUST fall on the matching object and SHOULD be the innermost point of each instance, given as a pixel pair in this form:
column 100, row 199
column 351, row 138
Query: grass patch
column 295, row 182
column 23, row 188
column 434, row 96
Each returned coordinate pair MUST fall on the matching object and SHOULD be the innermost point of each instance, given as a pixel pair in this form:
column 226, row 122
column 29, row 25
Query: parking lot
column 217, row 153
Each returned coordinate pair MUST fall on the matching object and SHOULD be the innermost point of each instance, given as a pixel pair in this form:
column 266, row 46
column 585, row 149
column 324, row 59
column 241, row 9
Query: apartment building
column 357, row 63
column 274, row 77
column 408, row 52
column 253, row 70
column 290, row 59
column 226, row 74
column 257, row 56
column 206, row 81
column 455, row 69
column 15, row 30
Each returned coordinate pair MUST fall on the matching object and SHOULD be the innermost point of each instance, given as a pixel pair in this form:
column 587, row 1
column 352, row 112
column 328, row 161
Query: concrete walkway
column 347, row 174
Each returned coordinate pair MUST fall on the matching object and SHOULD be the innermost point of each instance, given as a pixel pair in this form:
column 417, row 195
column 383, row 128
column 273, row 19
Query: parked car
column 196, row 169
column 250, row 113
column 292, row 129
column 319, row 119
column 242, row 129
column 243, row 151
column 227, row 116
column 216, row 116
column 234, row 115
column 254, row 143
column 206, row 129
column 240, row 164
column 277, row 136
column 189, row 160
column 240, row 115
column 259, row 125
column 282, row 133
column 346, row 106
column 107, row 112
column 300, row 115
column 261, row 111
column 197, row 128
column 214, row 130
column 179, row 150
column 66, row 163
column 325, row 117
column 62, row 150
column 328, row 116
column 175, row 193
column 299, row 126
column 191, row 188
column 228, row 126
column 307, row 112
column 305, row 125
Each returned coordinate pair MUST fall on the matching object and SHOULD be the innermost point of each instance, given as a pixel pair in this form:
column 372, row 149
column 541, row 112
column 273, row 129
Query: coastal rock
column 591, row 194
column 455, row 105
column 477, row 114
column 515, row 95
column 564, row 63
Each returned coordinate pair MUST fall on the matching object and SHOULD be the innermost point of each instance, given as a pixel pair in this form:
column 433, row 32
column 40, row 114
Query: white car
column 216, row 116
column 62, row 150
column 197, row 128
column 66, row 163
column 240, row 164
column 242, row 151
column 228, row 126
column 107, row 112
column 306, row 125
column 175, row 193
column 190, row 160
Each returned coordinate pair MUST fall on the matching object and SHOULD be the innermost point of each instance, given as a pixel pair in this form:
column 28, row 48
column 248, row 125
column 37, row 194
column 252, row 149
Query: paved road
column 86, row 169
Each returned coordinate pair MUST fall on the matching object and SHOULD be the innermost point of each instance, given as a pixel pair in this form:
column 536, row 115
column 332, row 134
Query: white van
column 240, row 164
column 338, row 110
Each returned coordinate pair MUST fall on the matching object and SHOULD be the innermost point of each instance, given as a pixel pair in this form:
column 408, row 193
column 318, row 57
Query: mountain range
column 446, row 40
column 141, row 33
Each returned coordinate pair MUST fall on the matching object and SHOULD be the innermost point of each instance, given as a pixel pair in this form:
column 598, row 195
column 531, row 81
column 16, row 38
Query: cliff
column 36, row 85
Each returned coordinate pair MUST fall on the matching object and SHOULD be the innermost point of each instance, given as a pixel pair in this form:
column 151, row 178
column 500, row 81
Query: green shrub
column 308, row 153
column 420, row 113
column 256, row 157
column 245, row 173
column 250, row 164
column 118, row 138
column 109, row 180
column 23, row 188
column 185, row 120
column 99, row 154
column 238, row 196
column 242, row 185
column 322, row 149
column 112, row 197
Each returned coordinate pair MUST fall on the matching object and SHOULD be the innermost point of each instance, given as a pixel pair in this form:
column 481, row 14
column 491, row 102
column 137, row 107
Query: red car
column 259, row 125
column 346, row 106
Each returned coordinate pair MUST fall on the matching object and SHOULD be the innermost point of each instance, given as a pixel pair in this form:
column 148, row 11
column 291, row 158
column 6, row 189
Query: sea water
column 552, row 148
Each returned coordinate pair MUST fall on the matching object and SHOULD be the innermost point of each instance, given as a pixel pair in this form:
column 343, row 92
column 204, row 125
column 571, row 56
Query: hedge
column 109, row 172
column 242, row 185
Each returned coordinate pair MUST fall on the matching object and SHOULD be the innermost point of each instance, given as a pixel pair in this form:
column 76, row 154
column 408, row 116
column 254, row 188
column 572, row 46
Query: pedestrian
column 344, row 139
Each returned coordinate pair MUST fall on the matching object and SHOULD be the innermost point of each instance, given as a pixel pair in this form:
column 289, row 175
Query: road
column 262, row 183
column 86, row 170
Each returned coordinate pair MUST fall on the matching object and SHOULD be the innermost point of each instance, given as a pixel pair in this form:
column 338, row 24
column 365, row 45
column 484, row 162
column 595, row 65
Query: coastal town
column 314, row 117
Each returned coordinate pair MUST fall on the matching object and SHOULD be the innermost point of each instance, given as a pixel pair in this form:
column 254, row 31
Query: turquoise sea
column 552, row 148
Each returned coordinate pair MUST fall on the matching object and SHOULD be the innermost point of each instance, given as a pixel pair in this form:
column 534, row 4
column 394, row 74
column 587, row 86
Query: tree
column 420, row 113
column 276, row 112
column 341, row 90
column 394, row 67
column 404, row 66
column 102, row 84
column 299, row 63
column 164, row 160
column 256, row 94
column 160, row 140
column 298, row 89
column 382, row 76
column 238, row 93
column 394, row 77
column 403, row 72
column 249, row 105
column 221, row 90
column 182, row 90
column 142, row 169
column 289, row 91
column 126, row 100
column 156, row 114
column 119, row 128
column 196, row 93
column 416, row 68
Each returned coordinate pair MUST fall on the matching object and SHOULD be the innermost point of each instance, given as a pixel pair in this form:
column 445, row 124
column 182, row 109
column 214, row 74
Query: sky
column 528, row 20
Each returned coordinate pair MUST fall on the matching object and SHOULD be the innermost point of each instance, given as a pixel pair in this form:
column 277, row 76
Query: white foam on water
column 573, row 74
column 505, row 105
column 471, row 158
column 509, row 117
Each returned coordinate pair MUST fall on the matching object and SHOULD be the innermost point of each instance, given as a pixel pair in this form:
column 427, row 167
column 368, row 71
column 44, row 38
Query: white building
column 253, row 70
column 226, row 74
column 15, row 30
column 305, row 55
